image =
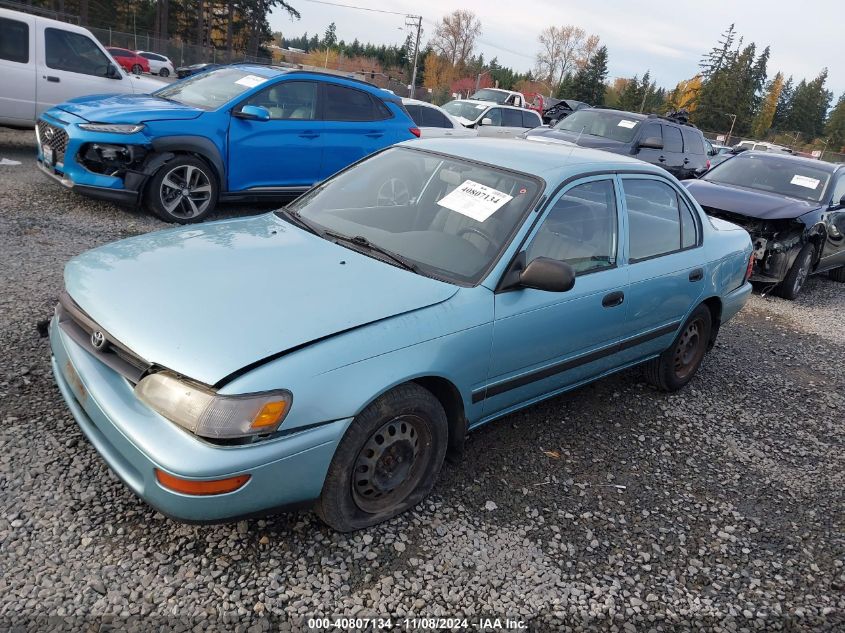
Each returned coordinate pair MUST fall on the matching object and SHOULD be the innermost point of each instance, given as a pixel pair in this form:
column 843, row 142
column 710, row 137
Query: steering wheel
column 476, row 231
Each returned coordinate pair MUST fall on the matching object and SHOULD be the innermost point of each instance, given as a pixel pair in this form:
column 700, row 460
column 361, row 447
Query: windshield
column 451, row 218
column 618, row 126
column 211, row 89
column 465, row 109
column 497, row 96
column 770, row 173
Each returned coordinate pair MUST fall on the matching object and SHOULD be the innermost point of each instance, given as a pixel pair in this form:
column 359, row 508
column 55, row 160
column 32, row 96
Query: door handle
column 662, row 159
column 686, row 160
column 55, row 80
column 613, row 299
column 309, row 135
column 696, row 275
column 374, row 134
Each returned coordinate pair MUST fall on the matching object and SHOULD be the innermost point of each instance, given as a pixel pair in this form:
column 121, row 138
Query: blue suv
column 236, row 132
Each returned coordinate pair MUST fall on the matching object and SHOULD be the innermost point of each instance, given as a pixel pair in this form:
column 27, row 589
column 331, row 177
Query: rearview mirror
column 651, row 142
column 486, row 121
column 253, row 113
column 545, row 273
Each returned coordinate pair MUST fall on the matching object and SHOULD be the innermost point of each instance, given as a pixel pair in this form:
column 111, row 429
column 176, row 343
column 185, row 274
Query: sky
column 668, row 38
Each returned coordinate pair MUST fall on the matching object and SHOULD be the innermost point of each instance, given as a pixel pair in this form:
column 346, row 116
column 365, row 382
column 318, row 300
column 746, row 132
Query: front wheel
column 183, row 191
column 387, row 461
column 675, row 367
column 164, row 72
column 797, row 275
column 136, row 69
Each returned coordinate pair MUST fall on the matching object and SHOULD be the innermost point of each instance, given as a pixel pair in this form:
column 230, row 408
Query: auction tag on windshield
column 251, row 81
column 480, row 107
column 626, row 123
column 475, row 200
column 805, row 181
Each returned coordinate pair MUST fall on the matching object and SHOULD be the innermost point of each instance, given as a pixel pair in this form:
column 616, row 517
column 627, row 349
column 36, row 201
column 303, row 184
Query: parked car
column 346, row 342
column 762, row 146
column 131, row 61
column 794, row 209
column 717, row 152
column 435, row 122
column 240, row 131
column 44, row 62
column 560, row 109
column 500, row 96
column 193, row 69
column 669, row 143
column 159, row 64
column 493, row 120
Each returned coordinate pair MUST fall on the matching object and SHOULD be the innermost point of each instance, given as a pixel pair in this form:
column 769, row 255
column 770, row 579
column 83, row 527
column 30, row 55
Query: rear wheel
column 136, row 69
column 164, row 72
column 183, row 191
column 797, row 275
column 387, row 461
column 838, row 274
column 675, row 367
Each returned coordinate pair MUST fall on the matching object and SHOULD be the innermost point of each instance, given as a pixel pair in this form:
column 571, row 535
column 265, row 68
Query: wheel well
column 817, row 240
column 714, row 304
column 450, row 398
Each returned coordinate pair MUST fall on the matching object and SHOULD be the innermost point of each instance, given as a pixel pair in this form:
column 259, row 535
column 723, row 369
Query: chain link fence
column 826, row 154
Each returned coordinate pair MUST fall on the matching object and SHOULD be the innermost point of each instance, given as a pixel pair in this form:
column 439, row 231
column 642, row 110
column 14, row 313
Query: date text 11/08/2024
column 417, row 624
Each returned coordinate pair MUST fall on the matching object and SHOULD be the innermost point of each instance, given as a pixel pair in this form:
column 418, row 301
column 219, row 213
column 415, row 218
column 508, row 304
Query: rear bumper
column 734, row 301
column 133, row 440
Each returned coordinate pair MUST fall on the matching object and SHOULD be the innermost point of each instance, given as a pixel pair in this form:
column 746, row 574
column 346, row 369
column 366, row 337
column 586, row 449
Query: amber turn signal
column 195, row 487
column 270, row 414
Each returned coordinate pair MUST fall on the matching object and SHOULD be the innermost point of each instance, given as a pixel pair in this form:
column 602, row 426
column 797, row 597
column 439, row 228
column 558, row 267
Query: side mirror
column 112, row 72
column 651, row 142
column 252, row 113
column 486, row 121
column 839, row 205
column 545, row 273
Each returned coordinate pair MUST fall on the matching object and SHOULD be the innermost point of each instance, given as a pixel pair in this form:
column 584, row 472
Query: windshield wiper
column 297, row 220
column 360, row 240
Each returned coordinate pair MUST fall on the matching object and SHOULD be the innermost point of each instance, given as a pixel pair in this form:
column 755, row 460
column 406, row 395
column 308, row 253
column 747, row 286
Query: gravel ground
column 615, row 507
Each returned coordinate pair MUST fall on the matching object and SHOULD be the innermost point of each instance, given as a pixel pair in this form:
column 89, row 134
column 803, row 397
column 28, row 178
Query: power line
column 352, row 6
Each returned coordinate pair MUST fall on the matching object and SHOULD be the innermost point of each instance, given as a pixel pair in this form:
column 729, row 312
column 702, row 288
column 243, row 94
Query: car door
column 356, row 124
column 512, row 125
column 673, row 150
column 71, row 64
column 530, row 120
column 546, row 341
column 695, row 152
column 655, row 156
column 833, row 252
column 493, row 128
column 665, row 263
column 285, row 151
column 17, row 67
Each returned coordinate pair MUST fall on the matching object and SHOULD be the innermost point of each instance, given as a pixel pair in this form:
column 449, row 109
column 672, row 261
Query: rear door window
column 433, row 118
column 511, row 118
column 14, row 41
column 693, row 141
column 74, row 52
column 531, row 119
column 672, row 141
column 416, row 114
column 654, row 223
column 349, row 104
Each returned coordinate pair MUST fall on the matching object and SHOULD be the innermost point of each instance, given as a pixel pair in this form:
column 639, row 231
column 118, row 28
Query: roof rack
column 300, row 68
column 681, row 117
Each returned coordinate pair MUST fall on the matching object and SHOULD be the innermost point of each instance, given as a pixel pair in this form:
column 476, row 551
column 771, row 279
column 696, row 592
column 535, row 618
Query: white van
column 44, row 62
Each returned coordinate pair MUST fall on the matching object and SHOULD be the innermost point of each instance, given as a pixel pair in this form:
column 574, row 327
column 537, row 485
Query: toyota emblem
column 48, row 134
column 98, row 340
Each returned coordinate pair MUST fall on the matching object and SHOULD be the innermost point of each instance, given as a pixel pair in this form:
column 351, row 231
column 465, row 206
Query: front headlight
column 208, row 414
column 112, row 128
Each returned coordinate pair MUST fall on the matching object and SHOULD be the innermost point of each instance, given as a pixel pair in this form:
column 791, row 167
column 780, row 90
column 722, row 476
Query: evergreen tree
column 784, row 105
column 631, row 95
column 330, row 36
column 588, row 83
column 765, row 116
column 810, row 103
column 835, row 128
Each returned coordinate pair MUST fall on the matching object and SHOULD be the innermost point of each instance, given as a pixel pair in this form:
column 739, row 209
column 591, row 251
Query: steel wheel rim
column 389, row 465
column 393, row 192
column 689, row 350
column 185, row 191
column 137, row 69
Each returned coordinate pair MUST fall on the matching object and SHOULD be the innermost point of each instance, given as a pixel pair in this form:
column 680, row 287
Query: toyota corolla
column 331, row 353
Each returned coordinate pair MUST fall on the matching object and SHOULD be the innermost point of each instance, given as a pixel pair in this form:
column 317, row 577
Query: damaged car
column 793, row 208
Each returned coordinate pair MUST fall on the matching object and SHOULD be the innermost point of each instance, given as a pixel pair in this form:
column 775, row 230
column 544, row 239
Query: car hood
column 584, row 140
column 747, row 202
column 128, row 109
column 207, row 301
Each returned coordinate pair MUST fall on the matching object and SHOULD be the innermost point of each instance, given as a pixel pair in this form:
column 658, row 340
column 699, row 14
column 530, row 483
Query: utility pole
column 414, row 21
column 731, row 131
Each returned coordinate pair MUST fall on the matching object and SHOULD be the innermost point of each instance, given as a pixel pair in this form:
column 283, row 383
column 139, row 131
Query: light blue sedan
column 333, row 352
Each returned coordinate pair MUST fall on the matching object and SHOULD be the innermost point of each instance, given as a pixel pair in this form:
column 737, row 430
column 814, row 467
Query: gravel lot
column 615, row 507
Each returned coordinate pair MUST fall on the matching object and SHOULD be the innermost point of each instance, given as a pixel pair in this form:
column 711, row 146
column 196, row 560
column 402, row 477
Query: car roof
column 409, row 101
column 783, row 156
column 553, row 161
column 490, row 104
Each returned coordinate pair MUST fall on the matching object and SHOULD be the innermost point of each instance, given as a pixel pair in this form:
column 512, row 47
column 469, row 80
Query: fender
column 197, row 145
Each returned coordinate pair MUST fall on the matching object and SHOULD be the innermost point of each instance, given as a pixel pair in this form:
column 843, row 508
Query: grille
column 79, row 326
column 53, row 137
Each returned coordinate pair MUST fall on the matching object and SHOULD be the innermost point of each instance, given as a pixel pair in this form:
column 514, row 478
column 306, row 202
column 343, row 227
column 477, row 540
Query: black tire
column 164, row 198
column 797, row 275
column 838, row 274
column 675, row 367
column 136, row 69
column 164, row 72
column 387, row 461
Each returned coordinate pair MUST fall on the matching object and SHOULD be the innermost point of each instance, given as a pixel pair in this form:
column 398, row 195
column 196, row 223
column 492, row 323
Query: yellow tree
column 439, row 73
column 763, row 120
column 685, row 94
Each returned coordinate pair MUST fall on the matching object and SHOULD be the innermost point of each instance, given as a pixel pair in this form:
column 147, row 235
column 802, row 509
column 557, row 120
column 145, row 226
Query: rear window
column 14, row 41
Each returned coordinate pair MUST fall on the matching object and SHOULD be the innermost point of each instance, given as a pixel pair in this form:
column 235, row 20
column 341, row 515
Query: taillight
column 415, row 131
column 750, row 269
column 708, row 164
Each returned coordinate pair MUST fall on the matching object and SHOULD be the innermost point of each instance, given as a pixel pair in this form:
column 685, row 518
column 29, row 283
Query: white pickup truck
column 500, row 96
column 44, row 62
